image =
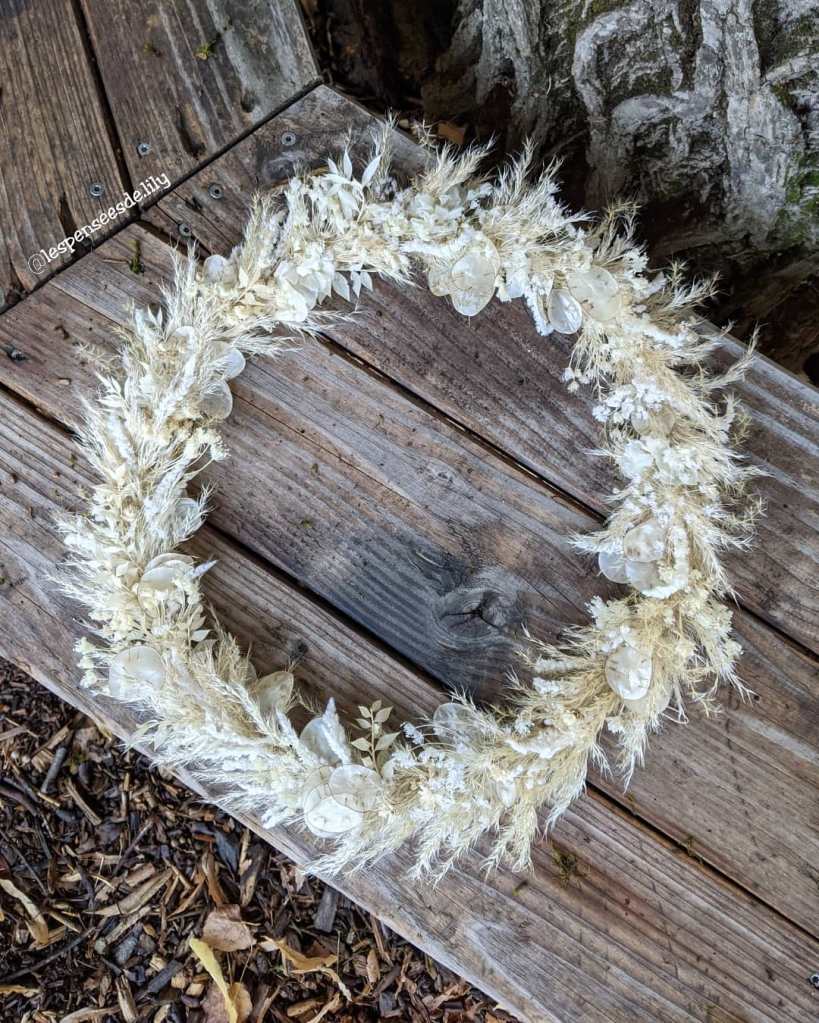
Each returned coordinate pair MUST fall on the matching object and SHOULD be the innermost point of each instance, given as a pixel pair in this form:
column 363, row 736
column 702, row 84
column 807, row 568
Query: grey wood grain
column 189, row 78
column 494, row 375
column 442, row 550
column 55, row 142
column 635, row 932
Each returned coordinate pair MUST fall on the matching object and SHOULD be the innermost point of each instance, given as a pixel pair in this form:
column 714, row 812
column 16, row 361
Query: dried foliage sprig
column 468, row 770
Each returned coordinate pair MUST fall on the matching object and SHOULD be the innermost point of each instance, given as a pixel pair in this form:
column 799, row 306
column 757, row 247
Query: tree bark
column 706, row 111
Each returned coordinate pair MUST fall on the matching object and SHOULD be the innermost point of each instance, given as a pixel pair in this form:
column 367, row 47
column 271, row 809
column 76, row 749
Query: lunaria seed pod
column 564, row 312
column 659, row 421
column 613, row 566
column 598, row 293
column 628, row 672
column 218, row 403
column 214, row 268
column 183, row 336
column 232, row 359
column 137, row 666
column 472, row 280
column 274, row 691
column 657, row 703
column 338, row 805
column 453, row 719
column 646, row 542
column 161, row 578
column 314, row 735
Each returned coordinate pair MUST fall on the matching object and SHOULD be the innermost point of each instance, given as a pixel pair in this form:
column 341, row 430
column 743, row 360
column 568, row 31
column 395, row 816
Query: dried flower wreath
column 468, row 770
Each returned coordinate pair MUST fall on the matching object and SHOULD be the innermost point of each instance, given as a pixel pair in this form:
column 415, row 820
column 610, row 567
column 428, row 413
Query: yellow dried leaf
column 210, row 963
column 301, row 963
column 216, row 1009
column 307, row 964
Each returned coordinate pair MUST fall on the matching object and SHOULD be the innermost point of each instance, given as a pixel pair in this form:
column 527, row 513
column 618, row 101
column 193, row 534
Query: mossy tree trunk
column 707, row 111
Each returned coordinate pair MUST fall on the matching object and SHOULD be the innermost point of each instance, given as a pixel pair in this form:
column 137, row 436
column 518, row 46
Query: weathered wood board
column 188, row 79
column 638, row 932
column 185, row 80
column 54, row 141
column 424, row 539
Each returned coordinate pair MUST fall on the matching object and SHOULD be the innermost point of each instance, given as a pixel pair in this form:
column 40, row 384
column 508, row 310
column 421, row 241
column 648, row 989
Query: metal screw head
column 215, row 191
column 288, row 138
column 143, row 148
column 814, row 979
column 14, row 354
column 184, row 229
column 96, row 189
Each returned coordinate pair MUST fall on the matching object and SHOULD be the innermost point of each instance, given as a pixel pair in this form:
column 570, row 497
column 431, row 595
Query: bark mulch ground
column 109, row 867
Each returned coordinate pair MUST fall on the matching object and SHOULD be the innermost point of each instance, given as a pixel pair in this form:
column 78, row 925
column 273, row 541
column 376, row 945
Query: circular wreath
column 468, row 770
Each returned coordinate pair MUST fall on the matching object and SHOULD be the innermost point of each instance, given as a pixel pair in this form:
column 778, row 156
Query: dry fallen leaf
column 216, row 1008
column 211, row 872
column 230, row 995
column 307, row 964
column 301, row 963
column 225, row 930
column 37, row 924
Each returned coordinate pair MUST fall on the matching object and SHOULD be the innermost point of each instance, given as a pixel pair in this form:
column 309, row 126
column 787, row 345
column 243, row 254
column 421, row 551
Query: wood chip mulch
column 109, row 868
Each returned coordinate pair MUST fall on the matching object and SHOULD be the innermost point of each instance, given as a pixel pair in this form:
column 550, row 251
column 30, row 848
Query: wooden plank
column 188, row 78
column 618, row 927
column 494, row 375
column 427, row 541
column 55, row 140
